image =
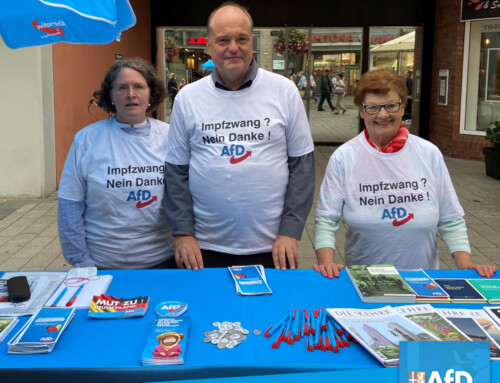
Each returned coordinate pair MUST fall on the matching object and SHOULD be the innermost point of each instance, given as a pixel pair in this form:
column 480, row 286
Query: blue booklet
column 250, row 280
column 166, row 342
column 460, row 291
column 42, row 331
column 424, row 286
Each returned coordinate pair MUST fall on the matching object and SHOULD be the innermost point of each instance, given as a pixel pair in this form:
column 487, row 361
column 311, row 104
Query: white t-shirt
column 391, row 202
column 120, row 178
column 237, row 145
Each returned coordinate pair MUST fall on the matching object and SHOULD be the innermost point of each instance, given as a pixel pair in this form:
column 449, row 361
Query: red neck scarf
column 395, row 145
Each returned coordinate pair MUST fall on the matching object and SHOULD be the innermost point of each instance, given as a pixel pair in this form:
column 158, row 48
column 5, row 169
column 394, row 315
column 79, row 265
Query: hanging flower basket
column 171, row 49
column 297, row 43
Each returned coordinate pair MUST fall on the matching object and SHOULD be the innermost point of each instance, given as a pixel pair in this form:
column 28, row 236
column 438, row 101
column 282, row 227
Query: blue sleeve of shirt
column 72, row 232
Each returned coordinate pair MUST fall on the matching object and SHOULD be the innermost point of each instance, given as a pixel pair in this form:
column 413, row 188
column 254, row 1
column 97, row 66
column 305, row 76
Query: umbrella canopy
column 25, row 23
column 209, row 65
column 405, row 42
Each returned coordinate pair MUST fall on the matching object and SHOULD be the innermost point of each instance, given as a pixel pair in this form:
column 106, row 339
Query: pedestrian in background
column 339, row 94
column 325, row 87
column 172, row 89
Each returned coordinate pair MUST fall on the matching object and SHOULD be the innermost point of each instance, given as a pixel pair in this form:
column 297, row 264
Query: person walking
column 325, row 88
column 339, row 94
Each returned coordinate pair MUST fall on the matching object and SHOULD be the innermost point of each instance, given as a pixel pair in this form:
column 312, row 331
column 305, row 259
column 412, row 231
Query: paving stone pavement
column 28, row 227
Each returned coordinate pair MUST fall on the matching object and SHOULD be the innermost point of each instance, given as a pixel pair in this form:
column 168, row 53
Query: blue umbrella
column 25, row 23
column 209, row 65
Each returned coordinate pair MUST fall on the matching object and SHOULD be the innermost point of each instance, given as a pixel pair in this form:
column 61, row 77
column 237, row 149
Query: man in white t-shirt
column 240, row 162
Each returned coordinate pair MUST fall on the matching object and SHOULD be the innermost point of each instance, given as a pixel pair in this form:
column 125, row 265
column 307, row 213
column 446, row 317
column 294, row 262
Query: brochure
column 424, row 286
column 427, row 317
column 41, row 332
column 78, row 292
column 380, row 283
column 166, row 342
column 108, row 307
column 250, row 280
column 489, row 288
column 379, row 331
column 42, row 286
column 6, row 325
column 464, row 320
column 460, row 291
column 493, row 312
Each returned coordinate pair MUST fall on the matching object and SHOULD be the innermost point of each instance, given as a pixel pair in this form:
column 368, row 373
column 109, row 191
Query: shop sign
column 352, row 67
column 480, row 9
column 278, row 64
column 333, row 38
column 197, row 41
column 490, row 27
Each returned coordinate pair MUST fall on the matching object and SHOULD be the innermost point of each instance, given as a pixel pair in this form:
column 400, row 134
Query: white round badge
column 171, row 308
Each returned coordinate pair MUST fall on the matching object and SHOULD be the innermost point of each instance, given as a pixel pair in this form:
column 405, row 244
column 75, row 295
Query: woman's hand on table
column 326, row 264
column 329, row 270
column 463, row 259
column 484, row 270
column 188, row 253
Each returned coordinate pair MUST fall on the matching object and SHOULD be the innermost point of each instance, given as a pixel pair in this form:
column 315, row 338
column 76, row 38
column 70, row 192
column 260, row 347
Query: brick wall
column 448, row 54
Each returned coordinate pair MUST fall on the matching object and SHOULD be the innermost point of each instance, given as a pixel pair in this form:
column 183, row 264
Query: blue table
column 109, row 350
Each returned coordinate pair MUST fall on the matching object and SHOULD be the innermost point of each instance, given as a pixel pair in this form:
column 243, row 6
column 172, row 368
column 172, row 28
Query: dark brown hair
column 155, row 84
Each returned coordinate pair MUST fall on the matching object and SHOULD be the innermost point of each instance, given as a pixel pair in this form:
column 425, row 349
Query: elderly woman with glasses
column 392, row 189
column 110, row 211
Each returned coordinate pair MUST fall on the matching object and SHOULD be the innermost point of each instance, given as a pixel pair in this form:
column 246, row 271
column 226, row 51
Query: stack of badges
column 227, row 335
column 171, row 308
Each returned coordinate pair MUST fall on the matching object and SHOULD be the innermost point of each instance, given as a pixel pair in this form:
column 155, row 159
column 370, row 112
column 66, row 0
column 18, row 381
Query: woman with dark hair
column 110, row 211
column 392, row 189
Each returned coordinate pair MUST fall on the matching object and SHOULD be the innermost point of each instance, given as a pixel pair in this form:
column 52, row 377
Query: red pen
column 75, row 295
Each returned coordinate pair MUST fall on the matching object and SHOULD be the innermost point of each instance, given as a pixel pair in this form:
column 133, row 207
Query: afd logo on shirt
column 143, row 198
column 398, row 215
column 236, row 153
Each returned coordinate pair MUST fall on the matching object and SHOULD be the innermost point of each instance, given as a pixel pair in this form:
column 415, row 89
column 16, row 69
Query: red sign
column 197, row 41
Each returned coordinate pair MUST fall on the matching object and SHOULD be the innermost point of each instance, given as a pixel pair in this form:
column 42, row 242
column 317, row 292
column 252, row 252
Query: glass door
column 394, row 48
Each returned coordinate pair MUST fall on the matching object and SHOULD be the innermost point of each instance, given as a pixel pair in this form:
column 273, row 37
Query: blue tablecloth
column 109, row 350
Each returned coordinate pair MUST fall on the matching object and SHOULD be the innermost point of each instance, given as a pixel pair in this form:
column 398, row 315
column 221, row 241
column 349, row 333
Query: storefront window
column 483, row 77
column 392, row 48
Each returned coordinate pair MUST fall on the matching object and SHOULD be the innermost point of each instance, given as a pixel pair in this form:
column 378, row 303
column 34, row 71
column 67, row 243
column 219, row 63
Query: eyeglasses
column 390, row 107
column 124, row 89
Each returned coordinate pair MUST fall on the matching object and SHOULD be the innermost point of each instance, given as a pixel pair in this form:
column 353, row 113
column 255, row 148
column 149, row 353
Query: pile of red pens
column 321, row 330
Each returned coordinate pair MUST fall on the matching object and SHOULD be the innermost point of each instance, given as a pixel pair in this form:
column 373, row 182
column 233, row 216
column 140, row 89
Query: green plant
column 493, row 136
